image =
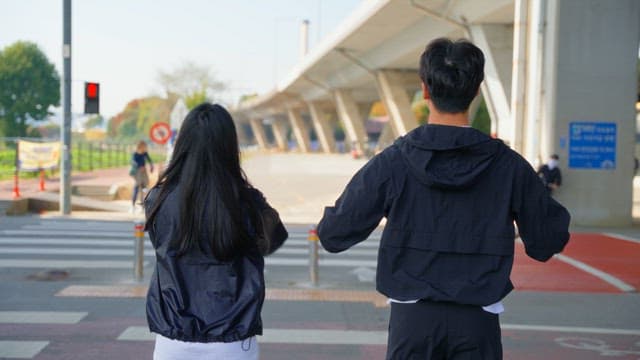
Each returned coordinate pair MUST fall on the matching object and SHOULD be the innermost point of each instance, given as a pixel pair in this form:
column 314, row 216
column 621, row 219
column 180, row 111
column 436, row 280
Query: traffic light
column 91, row 98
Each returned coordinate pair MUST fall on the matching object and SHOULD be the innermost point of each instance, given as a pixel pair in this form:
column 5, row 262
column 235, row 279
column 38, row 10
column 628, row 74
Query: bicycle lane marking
column 554, row 275
column 610, row 255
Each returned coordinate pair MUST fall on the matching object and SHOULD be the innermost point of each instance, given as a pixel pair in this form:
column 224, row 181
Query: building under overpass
column 560, row 77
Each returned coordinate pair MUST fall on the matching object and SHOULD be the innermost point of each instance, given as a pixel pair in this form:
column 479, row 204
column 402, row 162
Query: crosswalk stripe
column 116, row 264
column 18, row 349
column 129, row 241
column 42, row 240
column 273, row 261
column 92, row 242
column 306, row 236
column 66, row 264
column 83, row 226
column 354, row 252
column 41, row 317
column 364, row 244
column 105, row 234
column 69, row 251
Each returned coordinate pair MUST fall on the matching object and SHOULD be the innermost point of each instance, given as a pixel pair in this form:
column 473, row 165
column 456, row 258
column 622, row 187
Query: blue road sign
column 592, row 145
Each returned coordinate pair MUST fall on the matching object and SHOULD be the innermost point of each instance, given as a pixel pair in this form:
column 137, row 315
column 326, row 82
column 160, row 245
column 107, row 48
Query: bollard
column 313, row 256
column 42, row 180
column 16, row 174
column 138, row 260
column 16, row 186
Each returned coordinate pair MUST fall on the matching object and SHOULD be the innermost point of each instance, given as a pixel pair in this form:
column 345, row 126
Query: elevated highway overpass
column 560, row 77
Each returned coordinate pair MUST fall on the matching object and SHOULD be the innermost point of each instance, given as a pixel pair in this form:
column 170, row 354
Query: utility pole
column 65, row 166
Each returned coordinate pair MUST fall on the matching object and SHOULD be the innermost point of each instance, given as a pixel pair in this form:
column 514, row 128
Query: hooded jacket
column 197, row 298
column 450, row 196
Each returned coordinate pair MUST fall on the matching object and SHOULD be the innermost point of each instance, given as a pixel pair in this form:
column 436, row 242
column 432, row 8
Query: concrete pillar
column 258, row 133
column 534, row 88
column 243, row 138
column 351, row 118
column 280, row 134
column 300, row 130
column 496, row 42
column 322, row 127
column 386, row 137
column 519, row 72
column 397, row 102
column 590, row 57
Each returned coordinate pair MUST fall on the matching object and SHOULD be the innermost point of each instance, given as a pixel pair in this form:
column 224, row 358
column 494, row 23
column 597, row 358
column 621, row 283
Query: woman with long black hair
column 210, row 229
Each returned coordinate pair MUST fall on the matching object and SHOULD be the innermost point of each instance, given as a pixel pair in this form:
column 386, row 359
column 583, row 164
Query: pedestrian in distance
column 550, row 174
column 210, row 229
column 138, row 171
column 450, row 195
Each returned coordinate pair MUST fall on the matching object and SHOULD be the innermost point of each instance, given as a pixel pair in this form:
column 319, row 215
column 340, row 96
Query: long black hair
column 213, row 188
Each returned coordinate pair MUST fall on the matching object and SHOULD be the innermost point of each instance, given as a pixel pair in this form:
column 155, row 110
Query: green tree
column 93, row 122
column 195, row 99
column 192, row 82
column 482, row 120
column 135, row 121
column 29, row 85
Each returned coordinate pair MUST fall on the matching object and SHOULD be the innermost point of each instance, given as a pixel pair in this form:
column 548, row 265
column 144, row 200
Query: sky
column 122, row 44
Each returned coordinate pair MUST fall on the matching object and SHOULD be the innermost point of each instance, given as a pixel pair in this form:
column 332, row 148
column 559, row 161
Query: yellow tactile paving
column 272, row 294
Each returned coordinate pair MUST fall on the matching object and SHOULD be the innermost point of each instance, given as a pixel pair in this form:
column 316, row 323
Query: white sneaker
column 132, row 209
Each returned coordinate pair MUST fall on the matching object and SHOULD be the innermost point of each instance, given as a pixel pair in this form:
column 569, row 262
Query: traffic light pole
column 65, row 166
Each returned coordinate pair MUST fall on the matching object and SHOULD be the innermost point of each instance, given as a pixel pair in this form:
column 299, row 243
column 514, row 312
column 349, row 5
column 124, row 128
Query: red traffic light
column 91, row 90
column 91, row 98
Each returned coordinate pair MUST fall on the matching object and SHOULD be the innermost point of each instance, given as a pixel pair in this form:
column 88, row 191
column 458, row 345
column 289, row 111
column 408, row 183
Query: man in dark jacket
column 550, row 174
column 450, row 195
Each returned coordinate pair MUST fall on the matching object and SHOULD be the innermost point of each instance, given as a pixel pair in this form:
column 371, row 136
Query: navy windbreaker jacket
column 450, row 196
column 197, row 298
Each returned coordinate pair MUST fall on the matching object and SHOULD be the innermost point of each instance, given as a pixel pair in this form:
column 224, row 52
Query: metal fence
column 85, row 155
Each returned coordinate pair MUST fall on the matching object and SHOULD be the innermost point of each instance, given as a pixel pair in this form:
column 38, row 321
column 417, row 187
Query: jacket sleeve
column 542, row 222
column 278, row 232
column 359, row 209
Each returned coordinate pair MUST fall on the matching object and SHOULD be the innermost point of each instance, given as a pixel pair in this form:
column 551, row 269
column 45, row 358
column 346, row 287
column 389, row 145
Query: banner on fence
column 33, row 156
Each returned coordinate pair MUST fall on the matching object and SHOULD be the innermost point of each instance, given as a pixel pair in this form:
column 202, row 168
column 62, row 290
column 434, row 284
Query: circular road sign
column 160, row 133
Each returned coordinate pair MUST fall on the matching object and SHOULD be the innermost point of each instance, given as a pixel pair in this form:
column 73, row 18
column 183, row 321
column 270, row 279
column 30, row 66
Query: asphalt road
column 339, row 319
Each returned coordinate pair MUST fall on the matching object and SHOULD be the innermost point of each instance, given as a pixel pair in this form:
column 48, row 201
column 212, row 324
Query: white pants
column 168, row 349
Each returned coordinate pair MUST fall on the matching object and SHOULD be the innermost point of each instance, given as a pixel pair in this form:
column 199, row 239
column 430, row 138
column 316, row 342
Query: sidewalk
column 299, row 186
column 115, row 181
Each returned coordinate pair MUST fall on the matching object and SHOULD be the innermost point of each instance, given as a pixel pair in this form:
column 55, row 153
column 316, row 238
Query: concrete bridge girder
column 393, row 93
column 322, row 127
column 300, row 129
column 496, row 41
column 280, row 133
column 258, row 133
column 350, row 115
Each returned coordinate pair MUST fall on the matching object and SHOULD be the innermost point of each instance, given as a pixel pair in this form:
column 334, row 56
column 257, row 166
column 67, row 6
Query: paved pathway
column 581, row 305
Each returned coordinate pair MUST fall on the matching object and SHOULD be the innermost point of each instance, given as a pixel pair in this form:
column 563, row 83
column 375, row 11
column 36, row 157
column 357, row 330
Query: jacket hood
column 448, row 157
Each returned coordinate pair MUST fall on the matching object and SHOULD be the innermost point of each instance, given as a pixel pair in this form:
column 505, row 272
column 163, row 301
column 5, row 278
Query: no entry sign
column 160, row 133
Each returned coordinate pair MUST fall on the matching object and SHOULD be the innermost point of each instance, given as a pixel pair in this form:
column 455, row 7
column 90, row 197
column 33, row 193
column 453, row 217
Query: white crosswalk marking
column 41, row 317
column 98, row 245
column 21, row 349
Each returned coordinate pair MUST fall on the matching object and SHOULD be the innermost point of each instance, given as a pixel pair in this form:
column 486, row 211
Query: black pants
column 442, row 331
